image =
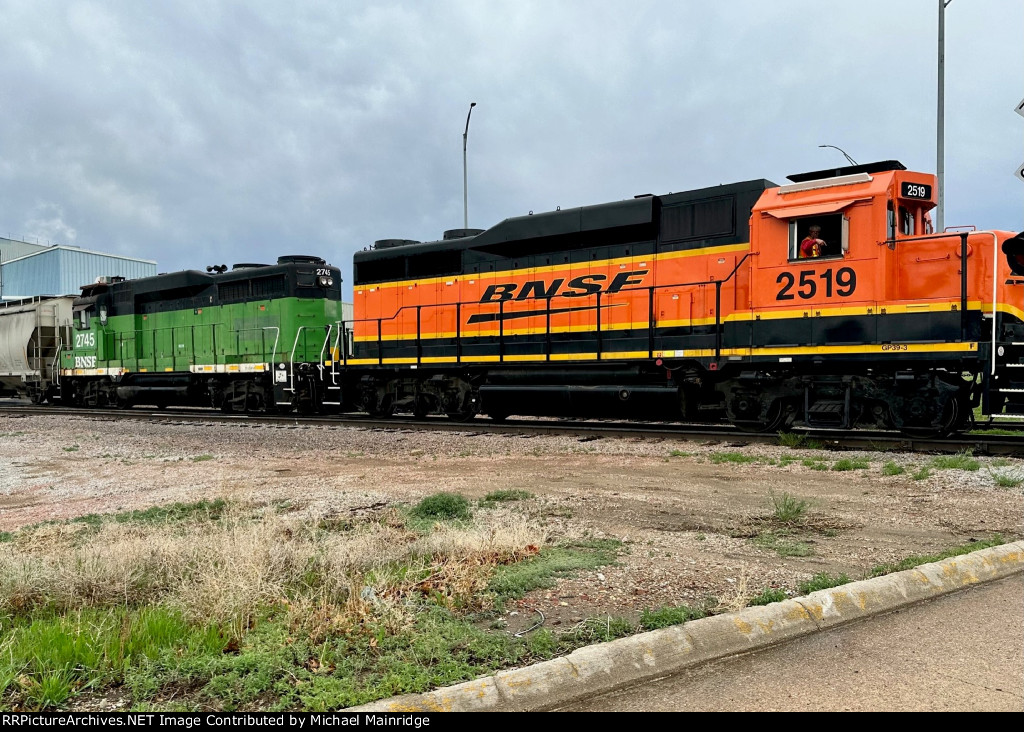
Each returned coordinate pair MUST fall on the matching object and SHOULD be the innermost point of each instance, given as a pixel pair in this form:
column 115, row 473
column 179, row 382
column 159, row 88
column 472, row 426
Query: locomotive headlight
column 324, row 281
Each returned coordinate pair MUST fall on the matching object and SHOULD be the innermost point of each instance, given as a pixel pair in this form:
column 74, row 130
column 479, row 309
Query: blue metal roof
column 62, row 270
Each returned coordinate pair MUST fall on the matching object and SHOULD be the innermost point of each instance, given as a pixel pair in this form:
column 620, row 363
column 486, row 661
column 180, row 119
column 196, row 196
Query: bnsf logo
column 577, row 287
column 85, row 362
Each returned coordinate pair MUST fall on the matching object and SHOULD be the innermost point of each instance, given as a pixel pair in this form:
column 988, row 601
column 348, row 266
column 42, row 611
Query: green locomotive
column 255, row 338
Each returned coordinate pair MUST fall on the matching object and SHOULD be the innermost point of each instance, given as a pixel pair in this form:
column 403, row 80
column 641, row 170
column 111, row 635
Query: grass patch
column 845, row 464
column 915, row 560
column 202, row 458
column 508, row 495
column 1002, row 481
column 679, row 454
column 666, row 616
column 786, row 509
column 515, row 580
column 822, row 581
column 893, row 468
column 923, row 473
column 265, row 609
column 443, row 507
column 6, row 536
column 814, row 463
column 737, row 458
column 795, row 440
column 73, row 448
column 960, row 461
column 46, row 658
column 767, row 596
column 781, row 546
column 999, row 462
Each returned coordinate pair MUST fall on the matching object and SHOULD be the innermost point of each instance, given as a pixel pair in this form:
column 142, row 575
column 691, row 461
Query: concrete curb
column 604, row 667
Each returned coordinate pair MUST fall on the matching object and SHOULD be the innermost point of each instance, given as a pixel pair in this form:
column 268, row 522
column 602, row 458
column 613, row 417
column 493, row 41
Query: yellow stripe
column 531, row 271
column 610, row 355
column 875, row 348
column 742, row 316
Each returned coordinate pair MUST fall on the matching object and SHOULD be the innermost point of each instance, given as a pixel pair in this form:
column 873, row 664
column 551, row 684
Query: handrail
column 56, row 357
column 277, row 337
column 291, row 363
column 651, row 326
column 323, row 348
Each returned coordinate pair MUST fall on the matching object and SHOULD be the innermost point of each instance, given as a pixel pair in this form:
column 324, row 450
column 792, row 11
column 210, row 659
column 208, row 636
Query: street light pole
column 940, row 132
column 465, row 177
column 852, row 161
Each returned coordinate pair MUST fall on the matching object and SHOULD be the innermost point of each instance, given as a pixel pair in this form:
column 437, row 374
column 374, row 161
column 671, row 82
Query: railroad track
column 979, row 442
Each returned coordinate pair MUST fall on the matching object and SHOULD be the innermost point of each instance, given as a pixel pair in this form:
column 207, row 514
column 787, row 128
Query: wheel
column 953, row 419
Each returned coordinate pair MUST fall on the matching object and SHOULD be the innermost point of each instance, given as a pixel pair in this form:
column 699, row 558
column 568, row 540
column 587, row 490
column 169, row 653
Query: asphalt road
column 961, row 652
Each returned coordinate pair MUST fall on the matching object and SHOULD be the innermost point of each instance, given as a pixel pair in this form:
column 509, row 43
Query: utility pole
column 940, row 153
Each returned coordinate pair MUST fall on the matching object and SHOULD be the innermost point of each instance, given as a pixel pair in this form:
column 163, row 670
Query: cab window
column 907, row 227
column 82, row 320
column 817, row 237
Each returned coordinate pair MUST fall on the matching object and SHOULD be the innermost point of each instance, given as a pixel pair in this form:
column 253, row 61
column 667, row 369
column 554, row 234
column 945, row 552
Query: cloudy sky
column 200, row 132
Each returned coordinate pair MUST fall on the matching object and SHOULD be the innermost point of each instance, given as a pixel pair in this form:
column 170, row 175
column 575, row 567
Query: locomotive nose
column 1014, row 250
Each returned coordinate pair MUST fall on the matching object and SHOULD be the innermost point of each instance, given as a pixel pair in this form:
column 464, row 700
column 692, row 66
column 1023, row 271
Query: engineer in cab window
column 812, row 245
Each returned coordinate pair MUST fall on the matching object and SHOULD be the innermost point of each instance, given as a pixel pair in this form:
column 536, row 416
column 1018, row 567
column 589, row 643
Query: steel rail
column 978, row 444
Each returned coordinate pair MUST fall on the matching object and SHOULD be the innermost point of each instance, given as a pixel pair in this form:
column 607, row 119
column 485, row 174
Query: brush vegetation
column 224, row 606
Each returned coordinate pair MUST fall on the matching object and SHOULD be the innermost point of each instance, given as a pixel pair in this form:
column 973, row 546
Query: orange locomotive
column 825, row 302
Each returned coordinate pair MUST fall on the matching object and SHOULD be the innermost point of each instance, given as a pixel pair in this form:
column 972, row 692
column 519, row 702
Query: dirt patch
column 695, row 518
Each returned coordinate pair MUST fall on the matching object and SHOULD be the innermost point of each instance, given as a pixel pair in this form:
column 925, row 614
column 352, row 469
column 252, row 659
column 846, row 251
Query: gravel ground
column 689, row 524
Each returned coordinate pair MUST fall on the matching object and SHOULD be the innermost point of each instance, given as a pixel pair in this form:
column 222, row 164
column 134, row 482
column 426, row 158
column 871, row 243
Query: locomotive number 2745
column 842, row 283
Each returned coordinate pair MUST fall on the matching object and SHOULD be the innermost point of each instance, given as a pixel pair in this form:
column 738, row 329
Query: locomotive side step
column 826, row 413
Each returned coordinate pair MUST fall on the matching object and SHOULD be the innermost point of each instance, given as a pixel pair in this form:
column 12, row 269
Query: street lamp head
column 852, row 161
column 472, row 104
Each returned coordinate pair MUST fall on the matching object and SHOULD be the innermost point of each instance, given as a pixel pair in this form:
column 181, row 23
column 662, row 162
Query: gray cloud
column 195, row 132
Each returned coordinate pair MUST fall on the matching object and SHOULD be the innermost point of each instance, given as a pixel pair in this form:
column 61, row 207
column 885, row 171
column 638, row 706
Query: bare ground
column 689, row 525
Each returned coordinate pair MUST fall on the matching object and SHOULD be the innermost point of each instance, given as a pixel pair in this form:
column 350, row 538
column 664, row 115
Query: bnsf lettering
column 85, row 362
column 581, row 286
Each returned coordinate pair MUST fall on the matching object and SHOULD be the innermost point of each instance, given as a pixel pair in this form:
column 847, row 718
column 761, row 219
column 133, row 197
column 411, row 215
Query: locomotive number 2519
column 842, row 283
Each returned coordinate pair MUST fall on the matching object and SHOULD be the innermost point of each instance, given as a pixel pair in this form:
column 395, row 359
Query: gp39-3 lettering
column 842, row 283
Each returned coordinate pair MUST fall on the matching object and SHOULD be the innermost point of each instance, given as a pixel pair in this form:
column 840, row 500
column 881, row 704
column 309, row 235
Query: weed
column 893, row 468
column 508, row 495
column 786, row 509
column 443, row 507
column 6, row 536
column 767, row 596
column 679, row 454
column 960, row 461
column 999, row 462
column 822, row 581
column 666, row 616
column 922, row 474
column 786, row 460
column 1002, row 481
column 845, row 464
column 73, row 448
column 202, row 458
column 737, row 458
